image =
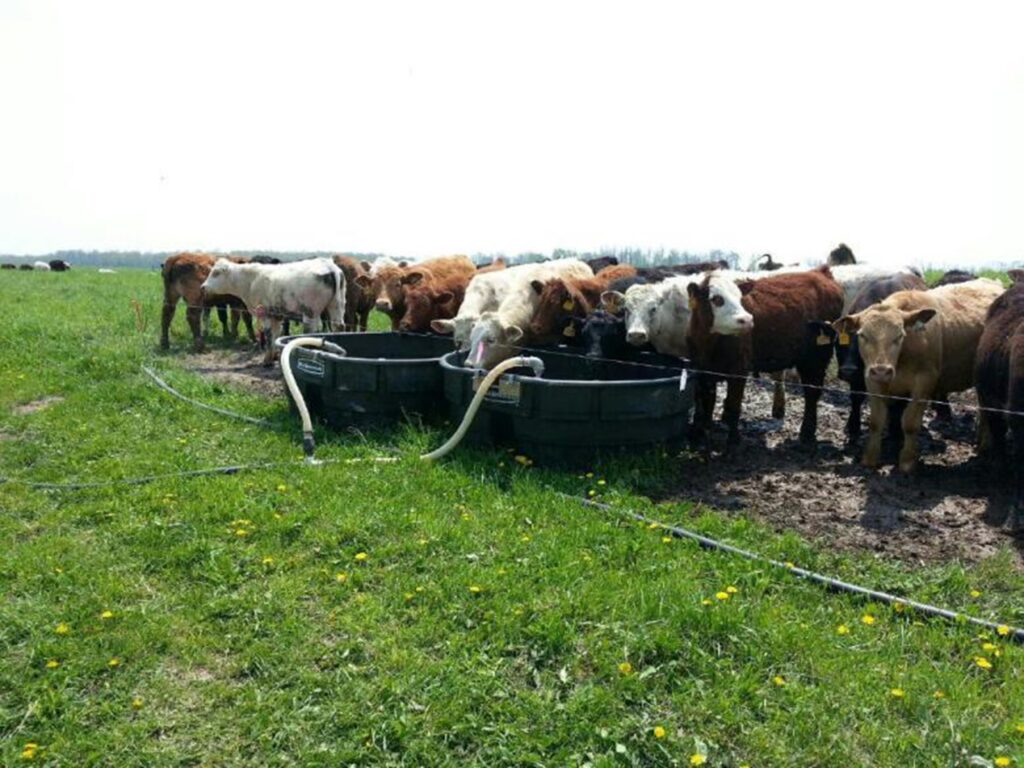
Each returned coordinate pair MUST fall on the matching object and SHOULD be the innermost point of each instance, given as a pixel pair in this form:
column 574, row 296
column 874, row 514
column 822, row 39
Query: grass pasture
column 407, row 614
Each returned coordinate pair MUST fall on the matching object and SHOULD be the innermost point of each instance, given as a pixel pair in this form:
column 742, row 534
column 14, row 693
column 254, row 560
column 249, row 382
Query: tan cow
column 921, row 345
column 388, row 285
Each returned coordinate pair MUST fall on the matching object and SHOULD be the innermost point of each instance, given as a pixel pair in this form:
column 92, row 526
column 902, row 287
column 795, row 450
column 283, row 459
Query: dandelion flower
column 420, row 589
column 666, row 539
column 476, row 590
column 525, row 538
column 589, row 475
column 601, row 482
column 899, row 607
column 136, row 703
column 654, row 526
column 423, row 542
column 779, row 680
column 659, row 732
column 591, row 492
column 868, row 619
column 282, row 488
column 982, row 662
column 842, row 629
column 626, row 668
column 522, row 460
column 268, row 560
column 29, row 753
column 789, row 564
column 409, row 596
column 114, row 662
column 361, row 557
column 988, row 646
column 1020, row 728
column 939, row 695
column 106, row 615
column 731, row 590
column 241, row 532
column 698, row 759
column 62, row 629
column 722, row 595
column 341, row 577
column 1002, row 761
column 975, row 593
column 897, row 693
column 705, row 601
column 52, row 664
column 1003, row 630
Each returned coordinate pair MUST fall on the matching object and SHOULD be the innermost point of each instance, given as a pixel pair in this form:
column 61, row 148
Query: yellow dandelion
column 409, row 596
column 666, row 539
column 362, row 557
column 423, row 542
column 842, row 629
column 1002, row 761
column 1019, row 728
column 341, row 577
column 705, row 601
column 975, row 593
column 988, row 646
column 420, row 589
column 698, row 759
column 58, row 569
column 602, row 482
column 52, row 664
column 982, row 662
column 137, row 703
column 659, row 732
column 114, row 662
column 525, row 538
column 939, row 695
column 268, row 560
column 899, row 607
column 241, row 532
column 476, row 590
column 897, row 693
column 589, row 475
column 626, row 668
column 1003, row 630
column 731, row 590
column 28, row 754
column 654, row 526
column 62, row 629
column 789, row 564
column 107, row 615
column 522, row 460
column 868, row 619
column 591, row 492
column 779, row 680
column 278, row 516
column 282, row 488
column 722, row 595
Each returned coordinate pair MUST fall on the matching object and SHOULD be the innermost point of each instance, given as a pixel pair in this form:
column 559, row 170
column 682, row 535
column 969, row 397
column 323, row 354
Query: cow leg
column 857, row 398
column 912, row 417
column 206, row 321
column 704, row 407
column 813, row 376
column 732, row 408
column 779, row 395
column 193, row 315
column 943, row 412
column 876, row 426
column 247, row 320
column 1015, row 519
column 225, row 324
column 165, row 321
column 272, row 330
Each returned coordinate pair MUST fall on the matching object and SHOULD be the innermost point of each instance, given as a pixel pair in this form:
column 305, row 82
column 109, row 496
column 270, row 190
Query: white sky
column 422, row 128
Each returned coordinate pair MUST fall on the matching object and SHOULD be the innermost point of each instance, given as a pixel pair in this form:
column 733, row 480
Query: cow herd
column 54, row 265
column 898, row 344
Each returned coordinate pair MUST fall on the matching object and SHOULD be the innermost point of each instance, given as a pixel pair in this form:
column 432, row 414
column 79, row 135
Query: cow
column 841, row 255
column 999, row 381
column 655, row 313
column 759, row 325
column 601, row 262
column 307, row 288
column 358, row 299
column 603, row 334
column 59, row 265
column 389, row 284
column 8, row 266
column 490, row 266
column 562, row 299
column 952, row 277
column 854, row 277
column 918, row 344
column 183, row 275
column 261, row 259
column 497, row 332
column 847, row 349
column 26, row 267
column 40, row 266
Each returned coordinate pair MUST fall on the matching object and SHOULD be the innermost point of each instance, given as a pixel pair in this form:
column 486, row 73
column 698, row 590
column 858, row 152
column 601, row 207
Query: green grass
column 931, row 275
column 248, row 650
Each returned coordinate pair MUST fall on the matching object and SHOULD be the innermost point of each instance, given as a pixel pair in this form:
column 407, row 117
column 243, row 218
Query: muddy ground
column 951, row 509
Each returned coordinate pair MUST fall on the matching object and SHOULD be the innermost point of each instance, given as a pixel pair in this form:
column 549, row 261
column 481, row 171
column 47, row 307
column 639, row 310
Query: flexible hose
column 313, row 342
column 515, row 362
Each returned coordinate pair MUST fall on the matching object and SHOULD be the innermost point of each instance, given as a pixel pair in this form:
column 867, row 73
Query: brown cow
column 760, row 325
column 183, row 276
column 389, row 284
column 918, row 344
column 562, row 299
column 999, row 380
column 358, row 300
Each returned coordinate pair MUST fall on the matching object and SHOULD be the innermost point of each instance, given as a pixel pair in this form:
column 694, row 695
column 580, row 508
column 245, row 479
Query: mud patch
column 242, row 369
column 35, row 405
column 952, row 508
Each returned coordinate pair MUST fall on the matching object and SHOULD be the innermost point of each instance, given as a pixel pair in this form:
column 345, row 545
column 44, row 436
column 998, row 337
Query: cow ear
column 1016, row 276
column 612, row 301
column 514, row 333
column 537, row 286
column 365, row 265
column 364, row 281
column 916, row 321
column 403, row 264
column 847, row 324
column 445, row 297
column 443, row 327
column 412, row 278
column 745, row 287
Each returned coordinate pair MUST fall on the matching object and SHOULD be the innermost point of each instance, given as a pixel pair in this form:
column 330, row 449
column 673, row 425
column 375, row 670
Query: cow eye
column 718, row 301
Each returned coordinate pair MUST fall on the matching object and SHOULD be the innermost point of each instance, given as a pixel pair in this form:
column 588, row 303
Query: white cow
column 495, row 331
column 273, row 292
column 488, row 290
column 655, row 313
column 41, row 266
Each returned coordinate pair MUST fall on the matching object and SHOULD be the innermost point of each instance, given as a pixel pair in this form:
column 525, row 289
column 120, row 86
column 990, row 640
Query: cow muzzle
column 382, row 305
column 882, row 373
column 636, row 338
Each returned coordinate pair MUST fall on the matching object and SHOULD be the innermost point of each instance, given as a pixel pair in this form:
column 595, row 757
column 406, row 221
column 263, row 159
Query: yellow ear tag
column 693, row 305
column 844, row 339
column 569, row 331
column 568, row 305
column 823, row 339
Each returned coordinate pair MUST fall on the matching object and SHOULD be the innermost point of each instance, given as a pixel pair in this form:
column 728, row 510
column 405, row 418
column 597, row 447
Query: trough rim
column 283, row 340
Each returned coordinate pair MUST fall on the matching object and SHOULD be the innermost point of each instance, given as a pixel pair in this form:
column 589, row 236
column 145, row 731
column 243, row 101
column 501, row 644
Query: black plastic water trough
column 579, row 409
column 383, row 377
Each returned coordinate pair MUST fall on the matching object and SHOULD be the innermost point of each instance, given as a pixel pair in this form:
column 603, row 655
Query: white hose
column 317, row 342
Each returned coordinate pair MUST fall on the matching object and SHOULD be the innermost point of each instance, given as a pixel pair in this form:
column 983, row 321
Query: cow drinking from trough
column 563, row 300
column 999, row 380
column 737, row 328
column 917, row 345
column 306, row 288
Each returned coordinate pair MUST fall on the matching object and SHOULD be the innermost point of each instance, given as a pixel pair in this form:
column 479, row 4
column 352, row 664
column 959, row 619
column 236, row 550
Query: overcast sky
column 424, row 128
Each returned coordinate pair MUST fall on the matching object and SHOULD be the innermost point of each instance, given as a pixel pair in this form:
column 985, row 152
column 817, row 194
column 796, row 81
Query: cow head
column 881, row 332
column 1016, row 276
column 722, row 298
column 845, row 344
column 423, row 306
column 219, row 279
column 489, row 341
column 555, row 309
column 460, row 327
column 387, row 288
column 637, row 306
column 603, row 334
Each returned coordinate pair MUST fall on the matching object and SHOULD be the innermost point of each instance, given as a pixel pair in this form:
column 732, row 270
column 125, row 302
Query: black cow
column 599, row 263
column 954, row 276
column 59, row 265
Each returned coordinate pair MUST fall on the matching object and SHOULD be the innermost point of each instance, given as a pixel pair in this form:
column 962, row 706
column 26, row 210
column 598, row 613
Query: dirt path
column 241, row 368
column 950, row 509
